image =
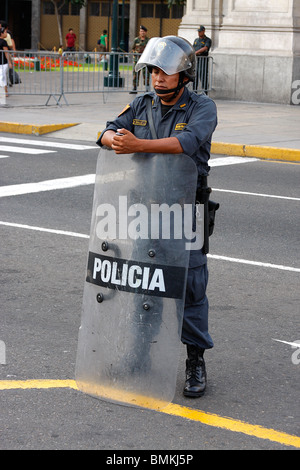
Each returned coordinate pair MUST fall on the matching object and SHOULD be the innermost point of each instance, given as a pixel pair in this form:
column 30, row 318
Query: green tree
column 58, row 4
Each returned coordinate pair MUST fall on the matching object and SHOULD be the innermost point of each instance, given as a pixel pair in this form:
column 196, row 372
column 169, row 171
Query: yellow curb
column 227, row 149
column 203, row 417
column 17, row 128
column 271, row 153
column 221, row 148
column 240, row 150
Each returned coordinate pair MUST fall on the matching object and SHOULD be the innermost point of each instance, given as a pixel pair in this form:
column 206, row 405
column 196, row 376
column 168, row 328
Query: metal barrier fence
column 56, row 76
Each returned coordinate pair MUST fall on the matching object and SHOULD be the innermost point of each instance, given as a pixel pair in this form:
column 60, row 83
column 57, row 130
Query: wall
column 256, row 46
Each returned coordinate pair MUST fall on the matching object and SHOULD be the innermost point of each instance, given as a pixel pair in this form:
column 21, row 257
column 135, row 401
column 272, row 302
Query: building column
column 82, row 27
column 201, row 12
column 256, row 46
column 133, row 6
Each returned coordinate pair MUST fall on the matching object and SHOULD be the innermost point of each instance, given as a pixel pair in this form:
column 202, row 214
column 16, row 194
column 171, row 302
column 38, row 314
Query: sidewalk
column 246, row 129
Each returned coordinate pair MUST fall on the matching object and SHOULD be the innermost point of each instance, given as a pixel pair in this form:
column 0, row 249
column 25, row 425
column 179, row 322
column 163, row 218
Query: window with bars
column 147, row 10
column 48, row 8
column 94, row 9
column 160, row 10
column 63, row 8
column 75, row 10
column 106, row 9
column 177, row 11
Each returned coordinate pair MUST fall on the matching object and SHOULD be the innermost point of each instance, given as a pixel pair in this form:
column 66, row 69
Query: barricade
column 103, row 73
column 55, row 76
column 36, row 74
column 204, row 74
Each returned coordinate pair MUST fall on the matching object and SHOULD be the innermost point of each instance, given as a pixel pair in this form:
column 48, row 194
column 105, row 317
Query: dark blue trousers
column 195, row 318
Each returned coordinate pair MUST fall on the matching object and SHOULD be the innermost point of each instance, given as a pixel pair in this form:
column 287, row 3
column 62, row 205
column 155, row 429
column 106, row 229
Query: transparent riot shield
column 133, row 301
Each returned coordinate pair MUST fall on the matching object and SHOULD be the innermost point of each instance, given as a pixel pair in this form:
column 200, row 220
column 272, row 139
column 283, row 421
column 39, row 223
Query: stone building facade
column 255, row 43
column 256, row 46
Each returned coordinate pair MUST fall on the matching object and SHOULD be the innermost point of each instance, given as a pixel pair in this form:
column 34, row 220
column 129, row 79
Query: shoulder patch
column 124, row 110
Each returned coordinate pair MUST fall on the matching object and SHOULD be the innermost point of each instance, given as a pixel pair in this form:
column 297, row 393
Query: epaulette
column 124, row 110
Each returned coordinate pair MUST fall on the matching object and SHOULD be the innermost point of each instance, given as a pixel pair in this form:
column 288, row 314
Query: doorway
column 17, row 13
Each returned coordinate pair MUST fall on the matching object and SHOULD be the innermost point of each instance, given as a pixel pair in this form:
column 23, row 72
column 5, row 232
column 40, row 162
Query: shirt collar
column 180, row 104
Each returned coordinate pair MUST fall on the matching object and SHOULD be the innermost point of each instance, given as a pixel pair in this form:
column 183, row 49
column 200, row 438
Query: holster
column 210, row 208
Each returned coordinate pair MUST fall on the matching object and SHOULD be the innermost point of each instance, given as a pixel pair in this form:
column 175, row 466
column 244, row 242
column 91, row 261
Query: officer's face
column 162, row 81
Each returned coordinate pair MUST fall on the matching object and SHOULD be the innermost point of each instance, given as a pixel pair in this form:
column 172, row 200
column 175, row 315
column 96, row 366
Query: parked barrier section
column 56, row 76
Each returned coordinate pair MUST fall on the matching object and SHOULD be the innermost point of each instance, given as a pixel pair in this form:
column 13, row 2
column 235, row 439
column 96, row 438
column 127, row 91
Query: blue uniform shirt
column 199, row 43
column 192, row 120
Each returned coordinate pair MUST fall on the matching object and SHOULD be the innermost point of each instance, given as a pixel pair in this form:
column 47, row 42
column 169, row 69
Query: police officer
column 139, row 45
column 202, row 45
column 184, row 123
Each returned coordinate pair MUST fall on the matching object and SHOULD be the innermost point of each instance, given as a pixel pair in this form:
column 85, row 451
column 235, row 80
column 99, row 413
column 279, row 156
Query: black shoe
column 195, row 383
column 133, row 92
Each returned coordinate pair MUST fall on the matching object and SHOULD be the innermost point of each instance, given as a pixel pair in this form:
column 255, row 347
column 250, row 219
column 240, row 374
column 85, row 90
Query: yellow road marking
column 232, row 425
column 174, row 410
column 28, row 384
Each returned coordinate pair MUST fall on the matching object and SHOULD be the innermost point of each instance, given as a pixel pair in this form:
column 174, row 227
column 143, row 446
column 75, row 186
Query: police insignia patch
column 139, row 122
column 180, row 126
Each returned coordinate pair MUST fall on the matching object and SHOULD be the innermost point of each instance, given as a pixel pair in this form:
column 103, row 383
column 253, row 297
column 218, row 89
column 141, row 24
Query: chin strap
column 175, row 91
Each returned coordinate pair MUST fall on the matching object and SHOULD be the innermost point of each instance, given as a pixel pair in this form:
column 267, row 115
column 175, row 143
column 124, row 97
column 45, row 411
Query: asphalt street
column 253, row 371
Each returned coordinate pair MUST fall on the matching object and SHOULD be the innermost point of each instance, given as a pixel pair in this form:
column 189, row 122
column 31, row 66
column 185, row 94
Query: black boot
column 195, row 383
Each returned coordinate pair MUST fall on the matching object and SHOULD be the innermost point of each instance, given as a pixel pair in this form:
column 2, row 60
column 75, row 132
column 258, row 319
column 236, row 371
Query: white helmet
column 171, row 54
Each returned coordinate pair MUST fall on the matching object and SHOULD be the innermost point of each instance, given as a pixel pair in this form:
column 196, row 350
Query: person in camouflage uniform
column 138, row 46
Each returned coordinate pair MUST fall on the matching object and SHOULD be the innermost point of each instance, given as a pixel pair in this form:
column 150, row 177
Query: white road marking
column 43, row 143
column 256, row 194
column 41, row 229
column 7, row 148
column 49, row 185
column 254, row 263
column 223, row 161
column 295, row 344
column 217, row 257
column 61, row 183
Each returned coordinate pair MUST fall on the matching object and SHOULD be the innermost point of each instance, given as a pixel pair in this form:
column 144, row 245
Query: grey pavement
column 260, row 124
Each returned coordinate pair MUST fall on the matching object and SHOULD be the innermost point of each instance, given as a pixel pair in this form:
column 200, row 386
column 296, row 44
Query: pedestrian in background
column 102, row 42
column 5, row 60
column 70, row 40
column 201, row 47
column 9, row 36
column 139, row 45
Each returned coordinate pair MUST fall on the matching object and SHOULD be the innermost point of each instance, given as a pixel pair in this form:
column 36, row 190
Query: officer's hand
column 124, row 142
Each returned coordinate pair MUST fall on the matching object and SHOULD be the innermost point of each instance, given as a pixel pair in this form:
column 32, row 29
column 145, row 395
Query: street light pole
column 113, row 79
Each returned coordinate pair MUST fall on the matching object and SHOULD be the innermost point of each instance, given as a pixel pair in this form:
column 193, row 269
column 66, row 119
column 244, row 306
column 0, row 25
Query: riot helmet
column 172, row 55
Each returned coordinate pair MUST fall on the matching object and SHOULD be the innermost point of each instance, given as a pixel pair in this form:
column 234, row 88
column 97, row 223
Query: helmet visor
column 164, row 54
